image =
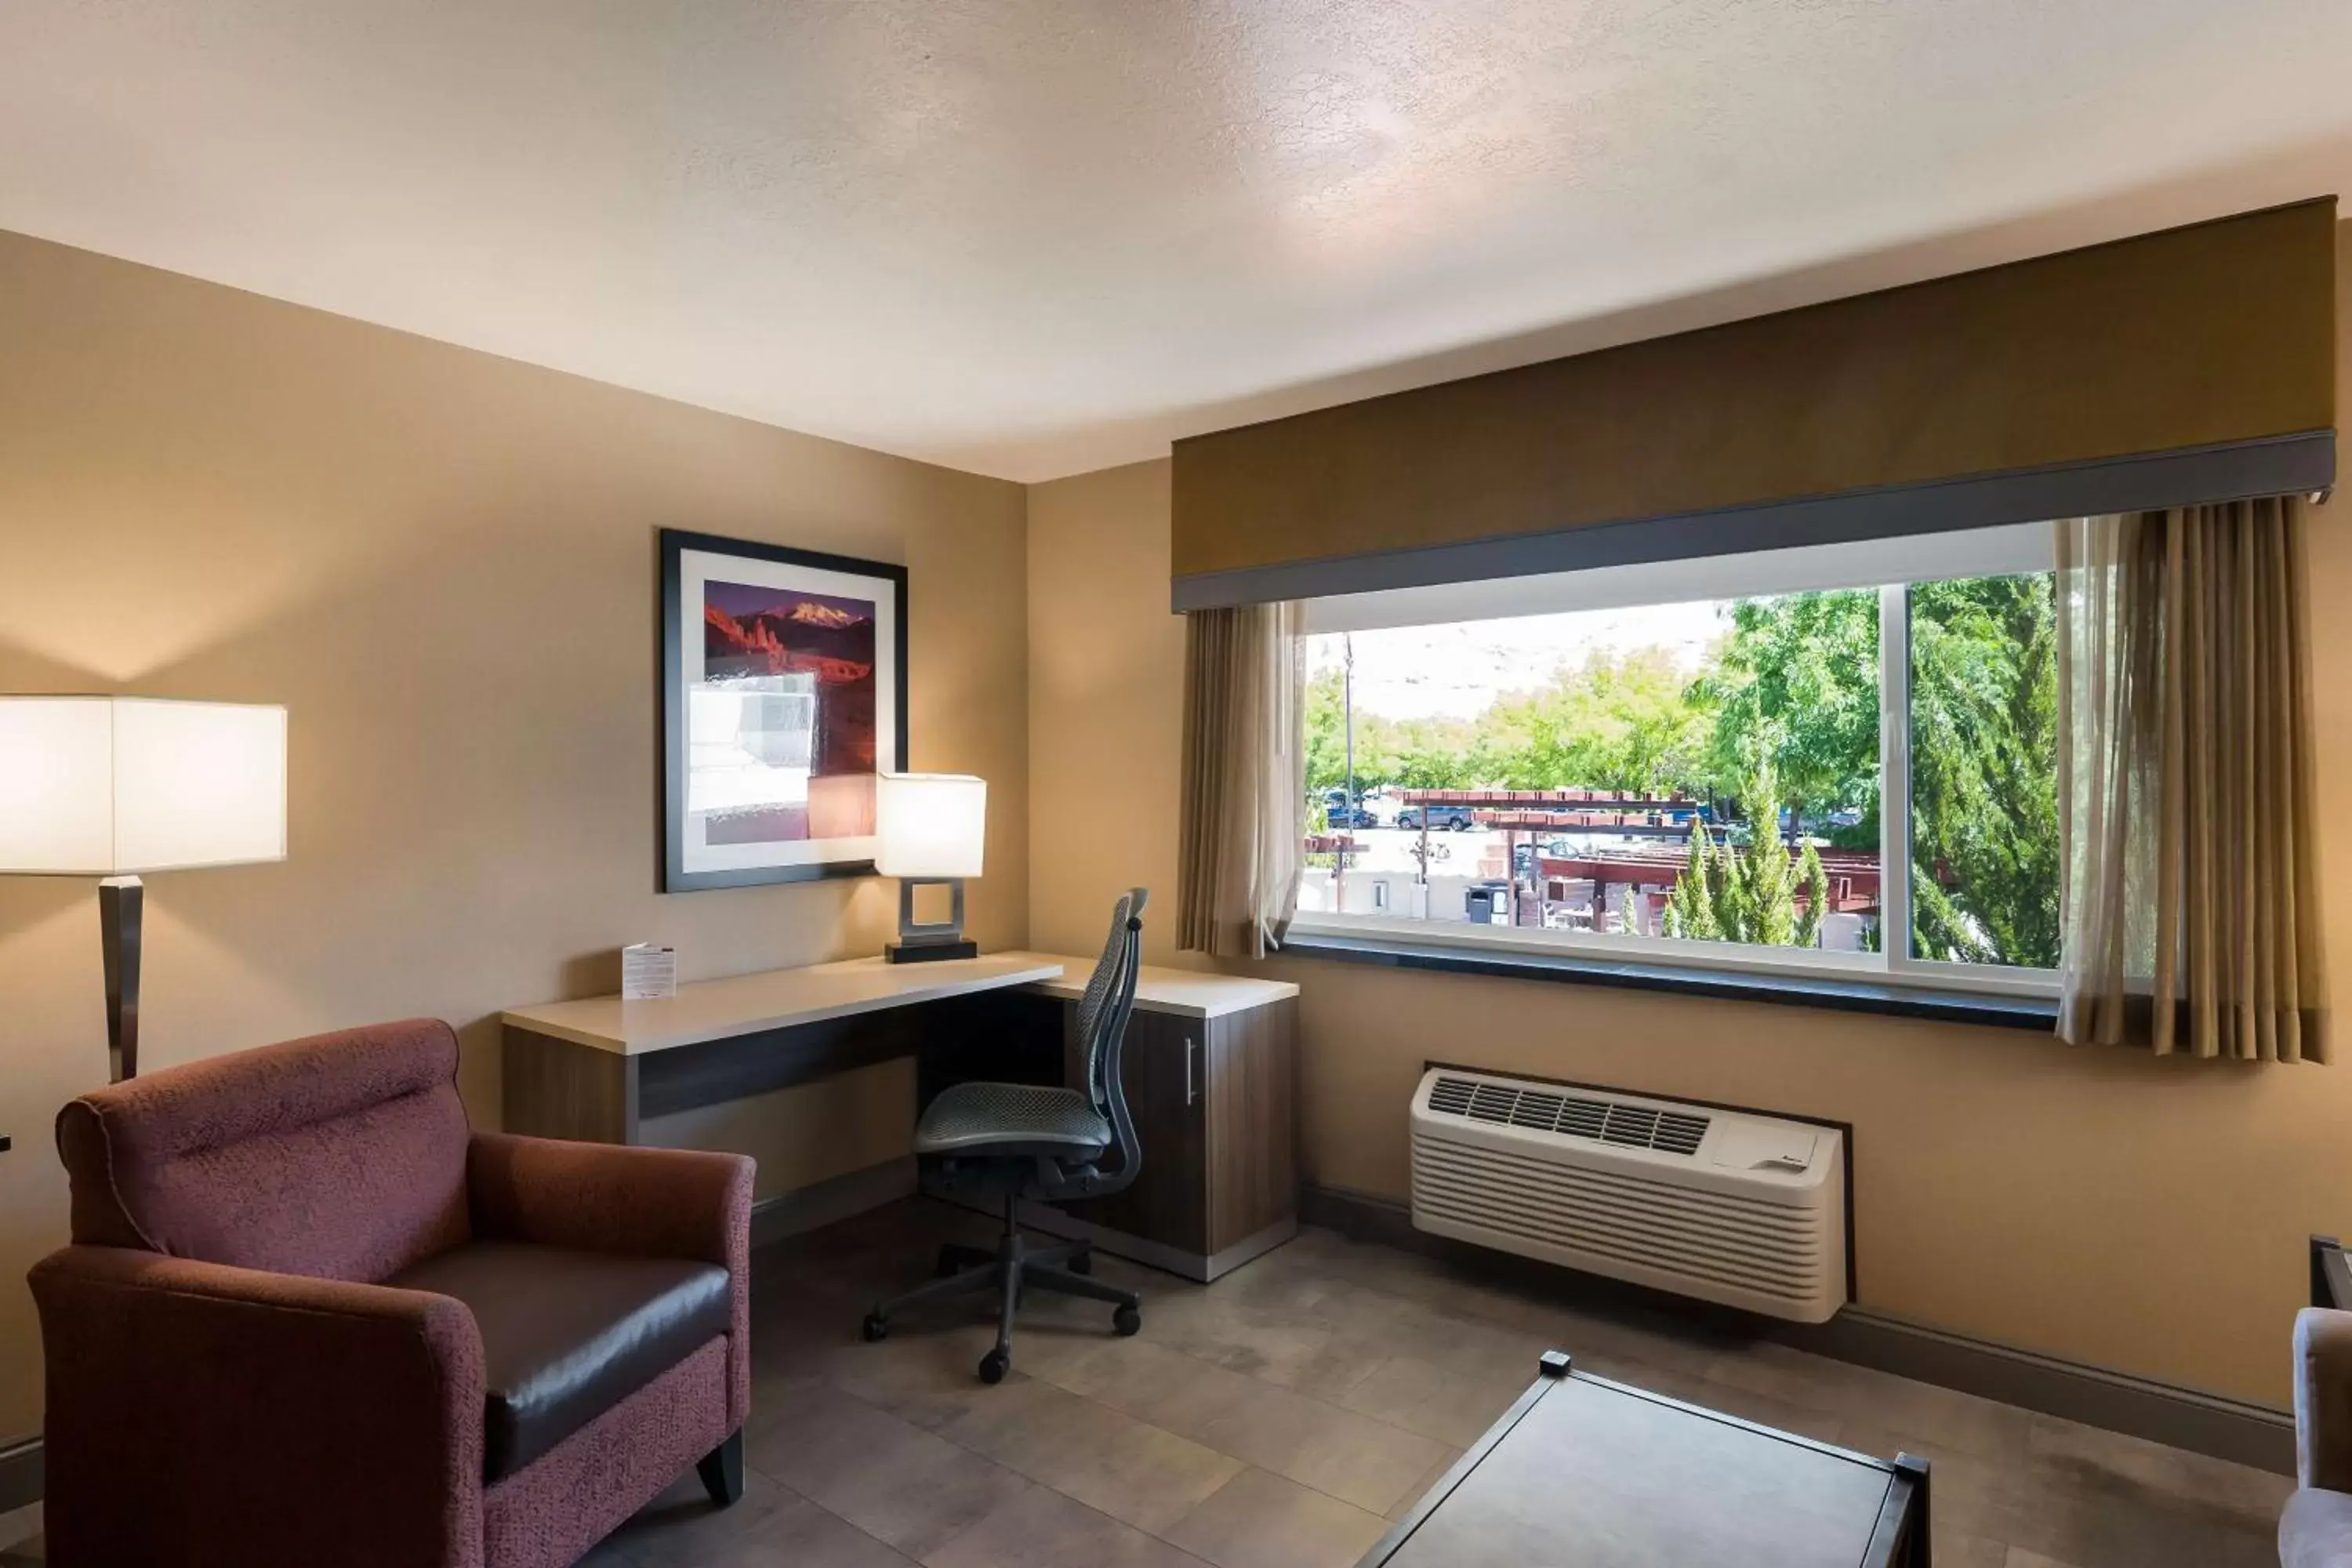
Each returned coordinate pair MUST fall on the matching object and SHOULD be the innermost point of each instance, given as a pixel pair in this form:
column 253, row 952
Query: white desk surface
column 775, row 999
column 1196, row 992
column 780, row 998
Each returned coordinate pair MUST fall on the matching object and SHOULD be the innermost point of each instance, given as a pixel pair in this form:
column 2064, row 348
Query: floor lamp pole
column 119, row 901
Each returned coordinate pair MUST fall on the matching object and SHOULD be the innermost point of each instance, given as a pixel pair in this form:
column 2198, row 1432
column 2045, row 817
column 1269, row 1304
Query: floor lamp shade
column 113, row 787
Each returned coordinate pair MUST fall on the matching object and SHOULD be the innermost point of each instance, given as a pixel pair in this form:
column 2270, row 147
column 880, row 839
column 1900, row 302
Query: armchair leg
column 721, row 1470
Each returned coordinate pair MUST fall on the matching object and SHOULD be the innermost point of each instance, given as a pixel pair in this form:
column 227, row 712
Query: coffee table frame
column 1899, row 1538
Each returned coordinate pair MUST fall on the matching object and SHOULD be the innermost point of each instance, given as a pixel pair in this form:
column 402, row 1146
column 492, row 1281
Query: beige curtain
column 2190, row 901
column 1244, row 780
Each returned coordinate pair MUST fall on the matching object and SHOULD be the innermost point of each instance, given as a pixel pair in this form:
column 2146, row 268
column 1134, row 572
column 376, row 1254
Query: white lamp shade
column 108, row 786
column 929, row 825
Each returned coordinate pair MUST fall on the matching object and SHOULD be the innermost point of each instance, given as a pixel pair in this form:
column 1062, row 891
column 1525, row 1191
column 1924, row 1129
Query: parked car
column 1340, row 816
column 1456, row 817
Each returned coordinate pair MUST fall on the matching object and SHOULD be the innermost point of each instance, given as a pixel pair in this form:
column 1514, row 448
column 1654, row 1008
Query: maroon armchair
column 307, row 1318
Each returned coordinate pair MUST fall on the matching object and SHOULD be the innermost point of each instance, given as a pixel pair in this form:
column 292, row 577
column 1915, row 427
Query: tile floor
column 1280, row 1418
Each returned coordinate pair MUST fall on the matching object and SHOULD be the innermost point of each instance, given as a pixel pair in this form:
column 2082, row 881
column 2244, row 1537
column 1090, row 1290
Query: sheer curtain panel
column 1240, row 849
column 2190, row 909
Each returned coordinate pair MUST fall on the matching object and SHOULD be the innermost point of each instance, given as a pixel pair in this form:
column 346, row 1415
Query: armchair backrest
column 341, row 1156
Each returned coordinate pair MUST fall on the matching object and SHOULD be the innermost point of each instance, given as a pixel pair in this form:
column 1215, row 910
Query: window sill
column 1836, row 992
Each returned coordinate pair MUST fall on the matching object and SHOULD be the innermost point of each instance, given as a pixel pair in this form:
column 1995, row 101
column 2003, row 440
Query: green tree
column 1816, row 882
column 1690, row 908
column 1726, row 895
column 1325, row 723
column 1799, row 675
column 1984, row 770
column 1630, row 722
column 1768, row 902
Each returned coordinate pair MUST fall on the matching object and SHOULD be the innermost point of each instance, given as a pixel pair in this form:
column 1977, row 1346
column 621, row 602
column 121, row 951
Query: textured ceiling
column 1037, row 237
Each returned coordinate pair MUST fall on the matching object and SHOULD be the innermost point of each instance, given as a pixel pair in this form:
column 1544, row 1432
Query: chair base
column 1013, row 1267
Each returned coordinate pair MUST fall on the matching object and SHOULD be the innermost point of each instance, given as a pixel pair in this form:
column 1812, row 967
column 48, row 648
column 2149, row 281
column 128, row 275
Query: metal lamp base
column 929, row 952
column 118, row 908
column 928, row 942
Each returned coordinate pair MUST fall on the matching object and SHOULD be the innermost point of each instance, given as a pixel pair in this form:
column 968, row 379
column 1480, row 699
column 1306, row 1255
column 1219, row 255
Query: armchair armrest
column 605, row 1198
column 2323, row 1398
column 282, row 1421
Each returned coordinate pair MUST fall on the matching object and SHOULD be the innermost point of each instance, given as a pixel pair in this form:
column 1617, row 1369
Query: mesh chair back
column 1110, row 994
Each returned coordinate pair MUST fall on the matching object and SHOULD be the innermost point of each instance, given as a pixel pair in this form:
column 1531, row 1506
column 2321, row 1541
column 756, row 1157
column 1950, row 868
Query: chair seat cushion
column 2316, row 1530
column 566, row 1335
column 974, row 1118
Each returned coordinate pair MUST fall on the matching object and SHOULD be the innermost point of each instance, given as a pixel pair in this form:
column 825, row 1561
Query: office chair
column 1026, row 1140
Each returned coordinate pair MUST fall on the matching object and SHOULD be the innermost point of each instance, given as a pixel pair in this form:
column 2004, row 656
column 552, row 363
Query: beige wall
column 2141, row 1214
column 442, row 563
column 1106, row 690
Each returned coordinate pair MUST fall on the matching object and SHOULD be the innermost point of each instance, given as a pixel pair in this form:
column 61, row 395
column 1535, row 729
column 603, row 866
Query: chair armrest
column 605, row 1198
column 2323, row 1398
column 608, row 1197
column 282, row 1421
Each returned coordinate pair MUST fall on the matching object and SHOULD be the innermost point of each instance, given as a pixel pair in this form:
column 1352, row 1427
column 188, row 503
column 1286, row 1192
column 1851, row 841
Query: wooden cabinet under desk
column 1211, row 1068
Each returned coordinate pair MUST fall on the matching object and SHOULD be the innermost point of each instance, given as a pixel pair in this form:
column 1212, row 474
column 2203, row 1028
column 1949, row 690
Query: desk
column 1210, row 1069
column 593, row 1070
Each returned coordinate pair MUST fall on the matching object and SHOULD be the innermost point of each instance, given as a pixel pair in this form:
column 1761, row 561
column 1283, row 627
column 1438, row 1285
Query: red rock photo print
column 751, row 631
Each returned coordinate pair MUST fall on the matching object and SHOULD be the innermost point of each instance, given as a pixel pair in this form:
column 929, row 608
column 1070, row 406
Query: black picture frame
column 676, row 877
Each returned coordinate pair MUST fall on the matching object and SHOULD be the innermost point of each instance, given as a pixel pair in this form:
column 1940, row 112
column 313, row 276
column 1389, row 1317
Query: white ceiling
column 1032, row 237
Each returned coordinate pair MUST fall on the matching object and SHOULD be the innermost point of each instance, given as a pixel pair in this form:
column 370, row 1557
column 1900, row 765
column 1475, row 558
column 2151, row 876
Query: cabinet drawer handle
column 1191, row 1045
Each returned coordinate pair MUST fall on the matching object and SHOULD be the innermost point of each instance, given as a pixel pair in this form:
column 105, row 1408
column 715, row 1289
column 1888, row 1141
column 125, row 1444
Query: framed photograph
column 783, row 693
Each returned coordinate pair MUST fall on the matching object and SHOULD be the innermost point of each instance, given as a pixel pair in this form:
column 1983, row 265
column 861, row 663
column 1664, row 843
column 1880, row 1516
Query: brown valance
column 2193, row 365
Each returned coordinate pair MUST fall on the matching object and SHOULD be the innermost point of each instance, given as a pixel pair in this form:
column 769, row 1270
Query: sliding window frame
column 1895, row 837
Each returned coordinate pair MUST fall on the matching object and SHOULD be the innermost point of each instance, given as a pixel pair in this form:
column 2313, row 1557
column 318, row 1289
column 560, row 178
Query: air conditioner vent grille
column 1678, row 1133
column 1635, row 1126
column 1451, row 1096
column 1583, row 1119
column 1656, row 1192
column 1536, row 1109
column 1603, row 1121
column 1493, row 1104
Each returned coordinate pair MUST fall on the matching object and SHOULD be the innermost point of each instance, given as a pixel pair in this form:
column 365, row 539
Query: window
column 1851, row 768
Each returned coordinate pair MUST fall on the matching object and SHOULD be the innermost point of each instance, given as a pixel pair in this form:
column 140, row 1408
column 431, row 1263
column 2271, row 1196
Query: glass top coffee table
column 1585, row 1473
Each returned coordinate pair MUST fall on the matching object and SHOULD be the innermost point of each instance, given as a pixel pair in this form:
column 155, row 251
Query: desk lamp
column 114, row 787
column 930, row 829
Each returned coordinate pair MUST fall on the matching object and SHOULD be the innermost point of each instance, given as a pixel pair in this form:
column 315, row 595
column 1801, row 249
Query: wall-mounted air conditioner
column 1728, row 1206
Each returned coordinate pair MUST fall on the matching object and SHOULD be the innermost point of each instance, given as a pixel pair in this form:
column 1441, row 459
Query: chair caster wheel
column 1084, row 1263
column 1127, row 1321
column 878, row 1327
column 993, row 1367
